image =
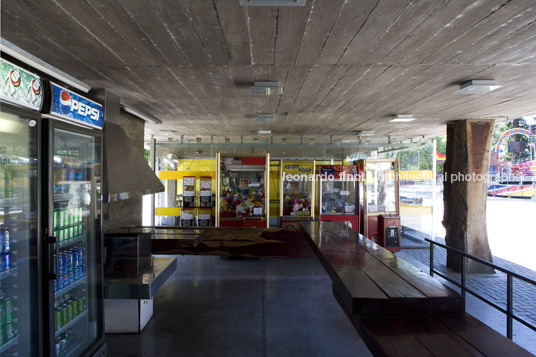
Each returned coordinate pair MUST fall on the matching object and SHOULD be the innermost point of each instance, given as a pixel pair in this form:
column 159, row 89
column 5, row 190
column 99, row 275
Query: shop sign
column 20, row 87
column 293, row 168
column 71, row 106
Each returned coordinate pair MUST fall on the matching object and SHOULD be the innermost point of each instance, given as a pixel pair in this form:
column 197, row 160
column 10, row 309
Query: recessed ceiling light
column 265, row 118
column 402, row 118
column 478, row 86
column 365, row 133
column 268, row 88
column 272, row 2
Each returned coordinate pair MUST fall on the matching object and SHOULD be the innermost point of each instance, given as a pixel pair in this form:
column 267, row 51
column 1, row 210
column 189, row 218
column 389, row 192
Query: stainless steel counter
column 145, row 285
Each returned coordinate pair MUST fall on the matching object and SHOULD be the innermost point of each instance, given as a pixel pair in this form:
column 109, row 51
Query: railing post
column 463, row 276
column 431, row 259
column 509, row 305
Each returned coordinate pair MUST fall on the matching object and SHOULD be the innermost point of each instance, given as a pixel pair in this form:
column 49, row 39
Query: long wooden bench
column 397, row 309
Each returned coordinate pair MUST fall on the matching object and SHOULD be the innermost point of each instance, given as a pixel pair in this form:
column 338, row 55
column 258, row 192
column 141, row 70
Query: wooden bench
column 397, row 309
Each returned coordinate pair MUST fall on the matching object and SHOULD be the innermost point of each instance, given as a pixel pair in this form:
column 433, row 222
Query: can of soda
column 56, row 286
column 79, row 306
column 61, row 218
column 71, row 277
column 6, row 240
column 80, row 214
column 68, row 316
column 6, row 261
column 10, row 331
column 76, row 257
column 81, row 256
column 2, row 335
column 66, row 234
column 8, row 306
column 58, row 348
column 69, row 260
column 65, row 280
column 56, row 218
column 2, row 310
column 60, row 282
column 58, row 318
column 2, row 238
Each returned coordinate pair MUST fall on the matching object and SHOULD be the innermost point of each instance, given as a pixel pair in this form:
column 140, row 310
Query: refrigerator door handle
column 53, row 252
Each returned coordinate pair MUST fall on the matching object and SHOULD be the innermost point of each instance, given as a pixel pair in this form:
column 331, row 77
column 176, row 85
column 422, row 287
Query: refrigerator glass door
column 19, row 289
column 77, row 288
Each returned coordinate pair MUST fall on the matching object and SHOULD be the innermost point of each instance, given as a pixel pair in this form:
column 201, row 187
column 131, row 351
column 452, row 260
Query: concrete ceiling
column 345, row 66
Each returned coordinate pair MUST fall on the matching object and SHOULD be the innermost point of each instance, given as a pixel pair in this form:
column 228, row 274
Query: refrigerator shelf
column 73, row 182
column 74, row 240
column 58, row 197
column 70, row 287
column 8, row 344
column 10, row 272
column 72, row 323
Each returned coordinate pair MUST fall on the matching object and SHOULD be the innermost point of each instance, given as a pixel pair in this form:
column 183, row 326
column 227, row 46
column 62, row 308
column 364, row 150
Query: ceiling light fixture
column 265, row 132
column 40, row 65
column 402, row 118
column 272, row 2
column 268, row 88
column 265, row 118
column 365, row 133
column 478, row 86
column 140, row 115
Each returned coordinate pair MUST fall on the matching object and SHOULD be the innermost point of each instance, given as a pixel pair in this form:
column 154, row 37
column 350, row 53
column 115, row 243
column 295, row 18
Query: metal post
column 431, row 259
column 463, row 276
column 509, row 305
column 153, row 165
column 434, row 175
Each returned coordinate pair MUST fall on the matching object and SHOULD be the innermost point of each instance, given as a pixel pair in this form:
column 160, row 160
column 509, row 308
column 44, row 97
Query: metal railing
column 510, row 316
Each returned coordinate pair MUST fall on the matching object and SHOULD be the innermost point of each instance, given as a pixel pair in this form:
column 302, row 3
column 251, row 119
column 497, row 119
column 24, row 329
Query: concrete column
column 465, row 192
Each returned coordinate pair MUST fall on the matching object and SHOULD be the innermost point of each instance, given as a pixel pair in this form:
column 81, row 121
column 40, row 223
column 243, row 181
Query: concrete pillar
column 465, row 192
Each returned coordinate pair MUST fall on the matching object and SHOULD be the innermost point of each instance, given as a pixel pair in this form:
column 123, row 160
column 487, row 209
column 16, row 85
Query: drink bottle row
column 5, row 249
column 7, row 321
column 71, row 267
column 7, row 184
column 67, row 308
column 68, row 223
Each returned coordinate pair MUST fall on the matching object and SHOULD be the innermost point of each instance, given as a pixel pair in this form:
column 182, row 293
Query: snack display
column 205, row 191
column 188, row 191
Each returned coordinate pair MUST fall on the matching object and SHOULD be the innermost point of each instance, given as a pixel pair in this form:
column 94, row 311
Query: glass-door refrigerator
column 51, row 291
column 19, row 226
column 20, row 220
column 73, row 288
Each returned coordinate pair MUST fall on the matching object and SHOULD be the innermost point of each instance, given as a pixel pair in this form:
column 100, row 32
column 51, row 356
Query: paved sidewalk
column 491, row 287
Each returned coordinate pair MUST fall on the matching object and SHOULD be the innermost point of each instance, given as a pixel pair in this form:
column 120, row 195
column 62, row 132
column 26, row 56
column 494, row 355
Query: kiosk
column 379, row 203
column 243, row 191
column 296, row 192
column 338, row 186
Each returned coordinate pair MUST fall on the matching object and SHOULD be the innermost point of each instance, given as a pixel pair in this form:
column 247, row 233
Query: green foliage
column 147, row 155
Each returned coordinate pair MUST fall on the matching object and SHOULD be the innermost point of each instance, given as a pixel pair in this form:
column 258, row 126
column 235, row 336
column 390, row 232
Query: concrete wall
column 126, row 212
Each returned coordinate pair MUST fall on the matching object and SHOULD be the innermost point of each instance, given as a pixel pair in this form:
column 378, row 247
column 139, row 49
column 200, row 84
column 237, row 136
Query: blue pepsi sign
column 71, row 106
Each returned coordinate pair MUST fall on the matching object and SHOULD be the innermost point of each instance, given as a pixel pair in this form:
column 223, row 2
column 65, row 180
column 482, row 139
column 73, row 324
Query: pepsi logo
column 36, row 87
column 70, row 105
column 14, row 77
column 65, row 101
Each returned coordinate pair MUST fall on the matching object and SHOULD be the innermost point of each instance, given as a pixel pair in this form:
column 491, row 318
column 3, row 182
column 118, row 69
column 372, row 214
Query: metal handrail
column 510, row 316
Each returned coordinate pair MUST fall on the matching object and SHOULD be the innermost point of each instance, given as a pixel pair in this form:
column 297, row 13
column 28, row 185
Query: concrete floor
column 256, row 307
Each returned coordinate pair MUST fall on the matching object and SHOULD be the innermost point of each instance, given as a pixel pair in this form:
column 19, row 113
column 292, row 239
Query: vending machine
column 379, row 202
column 338, row 185
column 51, row 292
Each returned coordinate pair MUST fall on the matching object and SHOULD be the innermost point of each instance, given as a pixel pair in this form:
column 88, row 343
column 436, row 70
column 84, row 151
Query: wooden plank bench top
column 370, row 281
column 398, row 310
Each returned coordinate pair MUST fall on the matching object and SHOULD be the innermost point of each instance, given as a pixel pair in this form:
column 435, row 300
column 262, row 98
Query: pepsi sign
column 71, row 106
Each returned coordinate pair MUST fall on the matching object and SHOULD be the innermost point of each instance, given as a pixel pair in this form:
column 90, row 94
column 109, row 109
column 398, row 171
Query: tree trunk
column 465, row 192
